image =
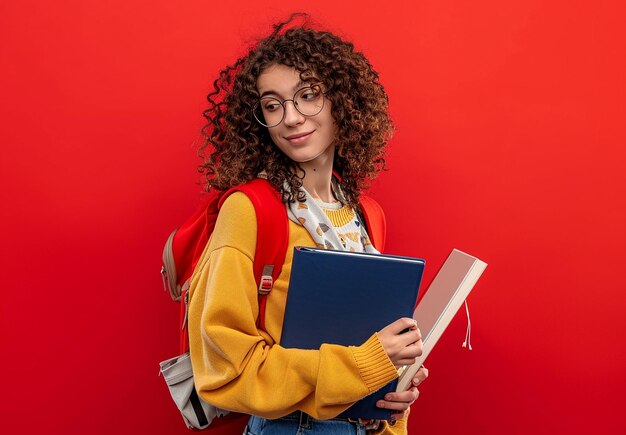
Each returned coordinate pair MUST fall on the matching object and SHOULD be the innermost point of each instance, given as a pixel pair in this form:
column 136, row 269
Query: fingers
column 399, row 401
column 420, row 376
column 404, row 331
column 406, row 355
column 411, row 337
column 402, row 341
column 400, row 325
column 409, row 396
column 406, row 361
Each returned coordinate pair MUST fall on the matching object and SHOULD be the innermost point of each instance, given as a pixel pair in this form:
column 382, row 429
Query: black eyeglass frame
column 257, row 107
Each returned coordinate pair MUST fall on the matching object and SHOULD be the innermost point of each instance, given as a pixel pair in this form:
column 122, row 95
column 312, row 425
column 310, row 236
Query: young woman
column 300, row 105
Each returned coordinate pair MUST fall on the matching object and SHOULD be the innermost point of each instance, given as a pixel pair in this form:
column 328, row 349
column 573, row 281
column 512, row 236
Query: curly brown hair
column 240, row 148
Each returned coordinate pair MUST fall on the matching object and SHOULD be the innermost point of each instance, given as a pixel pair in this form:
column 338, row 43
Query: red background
column 509, row 145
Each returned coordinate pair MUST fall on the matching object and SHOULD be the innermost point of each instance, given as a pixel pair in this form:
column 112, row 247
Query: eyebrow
column 296, row 87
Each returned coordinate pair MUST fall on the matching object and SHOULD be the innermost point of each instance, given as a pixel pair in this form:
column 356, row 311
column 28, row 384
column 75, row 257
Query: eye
column 310, row 93
column 271, row 105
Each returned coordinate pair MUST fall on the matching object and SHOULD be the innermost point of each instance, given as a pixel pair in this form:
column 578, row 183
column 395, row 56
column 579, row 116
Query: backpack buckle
column 164, row 277
column 267, row 282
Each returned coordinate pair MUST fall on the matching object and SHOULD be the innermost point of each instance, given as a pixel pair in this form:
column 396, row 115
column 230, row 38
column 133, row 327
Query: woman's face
column 308, row 140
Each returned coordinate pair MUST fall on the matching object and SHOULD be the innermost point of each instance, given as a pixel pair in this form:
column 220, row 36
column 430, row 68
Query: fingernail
column 381, row 404
column 416, row 382
column 388, row 397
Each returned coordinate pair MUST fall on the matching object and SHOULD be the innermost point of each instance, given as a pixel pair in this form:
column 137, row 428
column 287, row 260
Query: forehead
column 280, row 79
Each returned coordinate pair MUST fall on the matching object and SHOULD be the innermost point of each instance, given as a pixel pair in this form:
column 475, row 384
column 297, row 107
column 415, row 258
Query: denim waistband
column 303, row 418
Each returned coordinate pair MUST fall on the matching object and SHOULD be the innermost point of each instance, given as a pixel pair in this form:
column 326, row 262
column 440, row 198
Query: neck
column 317, row 180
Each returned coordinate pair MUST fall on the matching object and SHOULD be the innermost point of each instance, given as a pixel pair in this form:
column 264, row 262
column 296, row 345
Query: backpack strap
column 375, row 221
column 272, row 236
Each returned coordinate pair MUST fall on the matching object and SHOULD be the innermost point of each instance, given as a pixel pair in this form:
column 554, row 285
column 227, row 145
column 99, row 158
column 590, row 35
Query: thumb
column 401, row 325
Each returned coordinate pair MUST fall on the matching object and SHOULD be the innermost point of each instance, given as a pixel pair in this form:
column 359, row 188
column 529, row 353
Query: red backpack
column 182, row 252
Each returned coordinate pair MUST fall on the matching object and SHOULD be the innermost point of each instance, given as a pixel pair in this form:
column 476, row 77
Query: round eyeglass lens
column 270, row 111
column 309, row 101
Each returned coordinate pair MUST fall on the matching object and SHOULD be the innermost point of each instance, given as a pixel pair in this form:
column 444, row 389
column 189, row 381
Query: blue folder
column 341, row 297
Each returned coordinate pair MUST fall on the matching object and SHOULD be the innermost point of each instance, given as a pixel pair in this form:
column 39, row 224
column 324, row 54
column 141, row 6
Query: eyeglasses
column 308, row 101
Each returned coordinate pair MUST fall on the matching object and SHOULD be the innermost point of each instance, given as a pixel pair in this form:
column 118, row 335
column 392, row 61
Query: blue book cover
column 341, row 297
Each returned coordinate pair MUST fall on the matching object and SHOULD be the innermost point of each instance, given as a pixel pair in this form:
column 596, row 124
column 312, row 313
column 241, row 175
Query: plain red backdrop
column 509, row 145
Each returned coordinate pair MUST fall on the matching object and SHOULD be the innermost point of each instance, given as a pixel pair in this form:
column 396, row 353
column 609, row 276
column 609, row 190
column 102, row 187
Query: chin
column 305, row 158
column 320, row 153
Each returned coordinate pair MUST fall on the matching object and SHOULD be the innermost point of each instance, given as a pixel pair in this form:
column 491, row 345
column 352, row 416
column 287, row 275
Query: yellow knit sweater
column 240, row 368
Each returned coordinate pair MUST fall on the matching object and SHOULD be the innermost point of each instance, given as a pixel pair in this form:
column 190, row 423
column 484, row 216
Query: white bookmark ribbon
column 468, row 332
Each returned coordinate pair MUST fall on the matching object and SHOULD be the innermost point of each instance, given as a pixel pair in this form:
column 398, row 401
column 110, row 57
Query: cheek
column 274, row 136
column 331, row 126
column 329, row 121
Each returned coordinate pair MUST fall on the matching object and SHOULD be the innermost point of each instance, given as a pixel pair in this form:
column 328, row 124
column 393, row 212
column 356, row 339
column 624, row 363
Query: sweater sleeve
column 240, row 368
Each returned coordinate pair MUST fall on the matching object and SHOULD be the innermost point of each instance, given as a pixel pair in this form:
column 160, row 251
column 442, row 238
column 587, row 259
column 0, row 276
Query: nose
column 292, row 116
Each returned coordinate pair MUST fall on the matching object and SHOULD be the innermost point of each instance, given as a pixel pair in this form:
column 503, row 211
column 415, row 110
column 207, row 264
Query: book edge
column 477, row 268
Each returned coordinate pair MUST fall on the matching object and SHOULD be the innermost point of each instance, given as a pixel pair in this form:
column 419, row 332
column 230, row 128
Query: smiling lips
column 299, row 138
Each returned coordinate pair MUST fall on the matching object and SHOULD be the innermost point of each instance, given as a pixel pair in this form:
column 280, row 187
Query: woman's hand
column 400, row 402
column 402, row 341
